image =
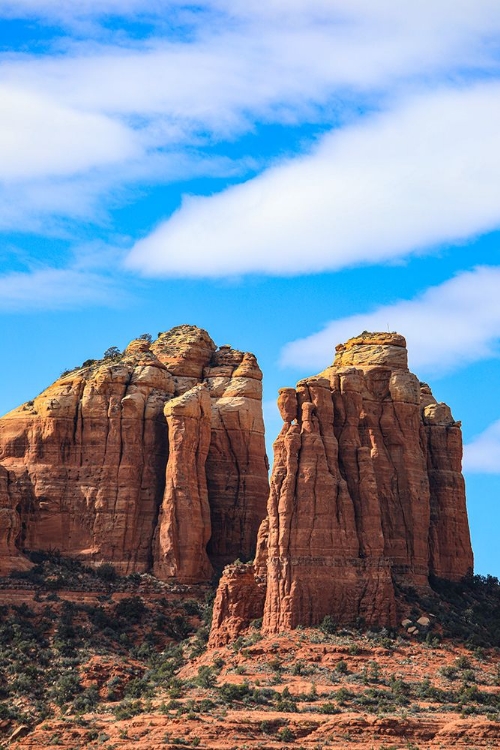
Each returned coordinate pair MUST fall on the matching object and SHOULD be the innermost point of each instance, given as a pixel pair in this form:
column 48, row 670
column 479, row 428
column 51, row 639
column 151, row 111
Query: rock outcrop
column 140, row 460
column 366, row 489
column 184, row 527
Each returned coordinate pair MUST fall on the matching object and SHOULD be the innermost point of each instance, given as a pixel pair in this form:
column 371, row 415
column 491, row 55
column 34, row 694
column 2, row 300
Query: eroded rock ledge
column 140, row 461
column 366, row 488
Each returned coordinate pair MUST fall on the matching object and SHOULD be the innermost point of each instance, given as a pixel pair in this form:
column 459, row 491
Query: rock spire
column 366, row 490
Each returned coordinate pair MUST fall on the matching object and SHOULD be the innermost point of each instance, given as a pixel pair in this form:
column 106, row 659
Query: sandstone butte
column 152, row 461
column 366, row 494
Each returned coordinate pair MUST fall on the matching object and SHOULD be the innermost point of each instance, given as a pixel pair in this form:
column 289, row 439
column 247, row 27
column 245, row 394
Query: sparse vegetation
column 467, row 611
column 125, row 654
column 112, row 353
column 44, row 651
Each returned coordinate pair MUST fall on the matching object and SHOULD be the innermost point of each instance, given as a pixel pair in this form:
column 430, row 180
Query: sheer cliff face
column 140, row 461
column 366, row 487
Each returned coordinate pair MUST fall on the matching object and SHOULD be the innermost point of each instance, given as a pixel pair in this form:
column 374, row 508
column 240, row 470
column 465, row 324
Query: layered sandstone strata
column 140, row 460
column 366, row 488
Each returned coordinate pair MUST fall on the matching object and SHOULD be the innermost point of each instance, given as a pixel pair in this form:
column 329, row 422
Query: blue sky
column 283, row 174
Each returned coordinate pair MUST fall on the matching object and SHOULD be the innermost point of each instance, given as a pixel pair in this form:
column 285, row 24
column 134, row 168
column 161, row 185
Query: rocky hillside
column 366, row 492
column 152, row 460
column 93, row 660
column 127, row 482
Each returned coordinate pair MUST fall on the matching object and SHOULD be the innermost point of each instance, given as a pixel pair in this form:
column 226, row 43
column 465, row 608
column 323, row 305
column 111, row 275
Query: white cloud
column 54, row 289
column 54, row 205
column 483, row 453
column 424, row 173
column 66, row 8
column 40, row 137
column 231, row 65
column 238, row 64
column 446, row 327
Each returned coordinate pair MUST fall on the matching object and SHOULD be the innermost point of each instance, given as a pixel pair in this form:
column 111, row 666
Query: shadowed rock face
column 366, row 488
column 140, row 461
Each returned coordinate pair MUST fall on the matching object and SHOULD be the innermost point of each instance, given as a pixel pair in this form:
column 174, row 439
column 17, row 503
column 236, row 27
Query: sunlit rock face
column 152, row 461
column 366, row 490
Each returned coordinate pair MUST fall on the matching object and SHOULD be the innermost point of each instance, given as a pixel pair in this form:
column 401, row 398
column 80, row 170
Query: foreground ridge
column 366, row 492
column 140, row 459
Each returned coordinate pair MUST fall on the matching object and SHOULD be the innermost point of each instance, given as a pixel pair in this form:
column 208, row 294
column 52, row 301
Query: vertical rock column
column 184, row 527
column 449, row 538
column 236, row 468
column 314, row 566
column 83, row 465
column 237, row 463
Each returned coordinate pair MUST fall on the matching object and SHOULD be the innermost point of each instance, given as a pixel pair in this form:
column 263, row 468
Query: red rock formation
column 366, row 487
column 86, row 461
column 83, row 467
column 241, row 594
column 239, row 600
column 183, row 528
column 237, row 468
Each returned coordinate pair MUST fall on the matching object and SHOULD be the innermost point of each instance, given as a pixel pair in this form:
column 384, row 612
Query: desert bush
column 328, row 708
column 341, row 667
column 285, row 735
column 131, row 609
column 128, row 708
column 112, row 353
column 328, row 625
column 106, row 572
column 86, row 701
column 66, row 689
column 449, row 672
column 206, row 677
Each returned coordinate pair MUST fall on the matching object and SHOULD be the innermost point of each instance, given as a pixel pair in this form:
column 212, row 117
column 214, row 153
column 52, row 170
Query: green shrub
column 86, row 701
column 286, row 735
column 112, row 353
column 127, row 709
column 341, row 667
column 462, row 662
column 191, row 607
column 449, row 672
column 106, row 572
column 328, row 708
column 231, row 691
column 206, row 677
column 66, row 689
column 131, row 609
column 328, row 625
column 271, row 726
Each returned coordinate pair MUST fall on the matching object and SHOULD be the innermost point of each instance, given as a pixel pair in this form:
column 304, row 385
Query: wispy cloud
column 55, row 289
column 482, row 454
column 41, row 137
column 201, row 73
column 63, row 9
column 423, row 173
column 446, row 327
column 56, row 205
column 212, row 71
column 236, row 65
